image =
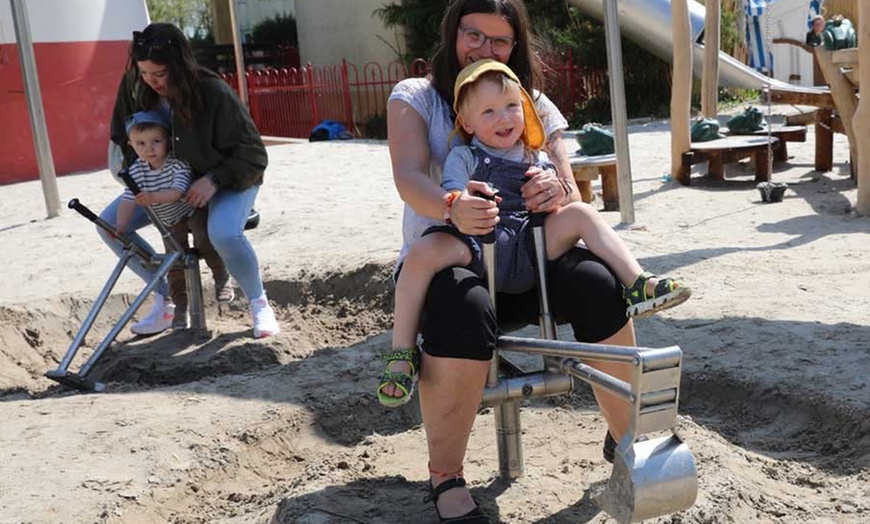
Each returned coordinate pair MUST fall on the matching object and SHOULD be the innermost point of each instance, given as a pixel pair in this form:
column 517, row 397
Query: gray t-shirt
column 420, row 95
column 461, row 162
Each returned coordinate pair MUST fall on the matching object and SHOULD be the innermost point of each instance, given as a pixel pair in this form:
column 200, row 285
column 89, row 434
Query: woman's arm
column 237, row 138
column 409, row 153
column 558, row 153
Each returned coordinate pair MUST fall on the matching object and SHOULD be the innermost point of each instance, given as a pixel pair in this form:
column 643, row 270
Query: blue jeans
column 227, row 213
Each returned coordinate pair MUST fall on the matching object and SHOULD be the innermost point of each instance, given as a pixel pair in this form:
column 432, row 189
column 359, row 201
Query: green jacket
column 222, row 141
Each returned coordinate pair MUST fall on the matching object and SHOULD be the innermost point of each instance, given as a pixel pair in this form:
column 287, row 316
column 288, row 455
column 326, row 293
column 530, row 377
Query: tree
column 194, row 17
column 281, row 29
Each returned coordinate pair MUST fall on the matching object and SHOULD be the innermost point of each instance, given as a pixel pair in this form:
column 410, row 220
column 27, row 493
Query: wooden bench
column 588, row 168
column 727, row 150
column 785, row 134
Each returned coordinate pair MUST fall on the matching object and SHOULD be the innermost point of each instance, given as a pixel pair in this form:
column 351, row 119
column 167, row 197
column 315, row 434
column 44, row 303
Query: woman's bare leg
column 450, row 393
column 614, row 409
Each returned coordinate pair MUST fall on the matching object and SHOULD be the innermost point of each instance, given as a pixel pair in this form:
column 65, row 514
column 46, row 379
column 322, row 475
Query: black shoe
column 475, row 516
column 609, row 448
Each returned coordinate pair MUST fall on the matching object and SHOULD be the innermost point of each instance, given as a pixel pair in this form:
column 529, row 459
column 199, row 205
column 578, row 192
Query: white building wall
column 252, row 12
column 76, row 20
column 330, row 30
column 788, row 19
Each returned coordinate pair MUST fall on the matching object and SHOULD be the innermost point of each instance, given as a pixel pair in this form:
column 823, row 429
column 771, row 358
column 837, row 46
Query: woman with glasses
column 213, row 133
column 459, row 328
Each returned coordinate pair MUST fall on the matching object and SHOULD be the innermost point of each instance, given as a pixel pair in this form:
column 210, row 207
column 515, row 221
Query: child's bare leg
column 429, row 255
column 576, row 221
column 645, row 293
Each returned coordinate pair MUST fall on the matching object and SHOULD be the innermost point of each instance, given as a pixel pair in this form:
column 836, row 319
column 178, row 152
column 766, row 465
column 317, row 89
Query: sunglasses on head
column 145, row 47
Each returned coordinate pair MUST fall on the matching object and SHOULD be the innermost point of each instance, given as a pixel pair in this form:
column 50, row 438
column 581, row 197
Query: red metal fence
column 290, row 102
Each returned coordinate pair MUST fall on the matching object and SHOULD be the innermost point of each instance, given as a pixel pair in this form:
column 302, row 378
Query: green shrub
column 278, row 30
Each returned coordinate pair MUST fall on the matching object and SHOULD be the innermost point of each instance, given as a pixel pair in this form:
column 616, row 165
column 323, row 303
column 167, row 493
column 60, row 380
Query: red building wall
column 78, row 81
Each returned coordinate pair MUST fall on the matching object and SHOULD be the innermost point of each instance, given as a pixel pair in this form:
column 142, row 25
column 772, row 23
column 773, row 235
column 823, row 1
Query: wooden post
column 861, row 121
column 681, row 90
column 222, row 25
column 710, row 77
column 843, row 93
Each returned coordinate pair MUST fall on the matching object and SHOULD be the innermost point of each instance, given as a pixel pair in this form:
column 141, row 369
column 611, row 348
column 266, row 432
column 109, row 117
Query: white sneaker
column 158, row 320
column 265, row 324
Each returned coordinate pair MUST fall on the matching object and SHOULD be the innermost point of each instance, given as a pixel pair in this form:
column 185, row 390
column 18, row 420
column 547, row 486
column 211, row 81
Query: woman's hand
column 474, row 215
column 543, row 192
column 200, row 192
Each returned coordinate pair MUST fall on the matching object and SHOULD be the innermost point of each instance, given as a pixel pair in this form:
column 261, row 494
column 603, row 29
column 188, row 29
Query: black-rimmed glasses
column 500, row 45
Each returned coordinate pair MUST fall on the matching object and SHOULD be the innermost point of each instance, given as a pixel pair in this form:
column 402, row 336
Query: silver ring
column 549, row 193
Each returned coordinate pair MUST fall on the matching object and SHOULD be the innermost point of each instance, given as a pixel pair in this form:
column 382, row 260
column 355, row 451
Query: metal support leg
column 194, row 291
column 92, row 314
column 167, row 263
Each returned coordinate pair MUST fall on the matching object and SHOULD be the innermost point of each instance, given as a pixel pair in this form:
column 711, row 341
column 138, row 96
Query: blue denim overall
column 514, row 270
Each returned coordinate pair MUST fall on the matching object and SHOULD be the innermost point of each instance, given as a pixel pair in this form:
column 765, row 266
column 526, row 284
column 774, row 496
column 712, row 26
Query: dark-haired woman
column 215, row 135
column 459, row 327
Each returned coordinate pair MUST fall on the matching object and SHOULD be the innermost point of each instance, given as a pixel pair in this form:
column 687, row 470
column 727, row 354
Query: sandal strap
column 666, row 285
column 410, row 355
column 447, row 485
column 637, row 291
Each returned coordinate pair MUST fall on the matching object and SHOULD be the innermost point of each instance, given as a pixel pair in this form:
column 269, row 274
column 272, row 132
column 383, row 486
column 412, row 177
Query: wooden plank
column 853, row 75
column 845, row 56
column 821, row 100
column 733, row 144
column 843, row 93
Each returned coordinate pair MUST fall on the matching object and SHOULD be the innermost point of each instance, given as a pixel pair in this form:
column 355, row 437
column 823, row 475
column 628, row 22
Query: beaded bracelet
column 448, row 200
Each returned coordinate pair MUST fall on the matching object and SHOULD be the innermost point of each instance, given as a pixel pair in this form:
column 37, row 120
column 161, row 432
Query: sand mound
column 316, row 312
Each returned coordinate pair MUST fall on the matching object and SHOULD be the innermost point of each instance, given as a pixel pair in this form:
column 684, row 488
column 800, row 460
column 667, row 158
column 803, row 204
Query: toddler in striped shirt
column 163, row 181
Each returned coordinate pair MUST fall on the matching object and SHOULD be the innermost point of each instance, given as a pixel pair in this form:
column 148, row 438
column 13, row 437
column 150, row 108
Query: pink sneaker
column 265, row 323
column 158, row 320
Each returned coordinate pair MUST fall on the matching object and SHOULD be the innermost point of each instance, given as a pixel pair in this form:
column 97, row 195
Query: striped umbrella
column 760, row 58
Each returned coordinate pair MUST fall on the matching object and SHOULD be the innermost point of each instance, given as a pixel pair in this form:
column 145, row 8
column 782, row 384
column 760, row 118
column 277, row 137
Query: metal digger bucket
column 650, row 477
column 657, row 476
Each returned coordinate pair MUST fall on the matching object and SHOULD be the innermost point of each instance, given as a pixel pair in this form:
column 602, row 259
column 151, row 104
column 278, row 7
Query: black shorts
column 458, row 321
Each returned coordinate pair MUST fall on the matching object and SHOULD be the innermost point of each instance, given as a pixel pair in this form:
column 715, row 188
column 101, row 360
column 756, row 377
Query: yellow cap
column 533, row 135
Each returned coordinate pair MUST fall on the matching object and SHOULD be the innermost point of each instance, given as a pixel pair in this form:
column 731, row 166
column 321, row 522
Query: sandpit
column 220, row 427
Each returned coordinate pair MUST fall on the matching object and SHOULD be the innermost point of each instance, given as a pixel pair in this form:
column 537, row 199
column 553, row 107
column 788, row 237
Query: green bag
column 595, row 141
column 705, row 129
column 839, row 34
column 749, row 121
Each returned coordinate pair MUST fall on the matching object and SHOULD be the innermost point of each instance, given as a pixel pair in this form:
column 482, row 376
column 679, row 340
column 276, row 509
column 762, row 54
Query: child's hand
column 118, row 231
column 144, row 199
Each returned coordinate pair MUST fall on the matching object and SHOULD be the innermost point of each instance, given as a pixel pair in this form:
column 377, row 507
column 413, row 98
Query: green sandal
column 405, row 382
column 667, row 293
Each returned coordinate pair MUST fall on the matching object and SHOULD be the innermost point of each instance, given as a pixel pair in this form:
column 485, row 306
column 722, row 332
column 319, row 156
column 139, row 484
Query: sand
column 219, row 427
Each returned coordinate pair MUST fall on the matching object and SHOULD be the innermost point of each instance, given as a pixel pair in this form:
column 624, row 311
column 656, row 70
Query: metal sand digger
column 650, row 478
column 175, row 257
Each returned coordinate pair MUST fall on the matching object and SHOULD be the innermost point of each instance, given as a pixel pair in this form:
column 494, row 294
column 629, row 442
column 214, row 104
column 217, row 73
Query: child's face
column 493, row 112
column 151, row 145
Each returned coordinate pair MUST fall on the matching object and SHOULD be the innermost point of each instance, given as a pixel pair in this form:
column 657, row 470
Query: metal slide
column 648, row 24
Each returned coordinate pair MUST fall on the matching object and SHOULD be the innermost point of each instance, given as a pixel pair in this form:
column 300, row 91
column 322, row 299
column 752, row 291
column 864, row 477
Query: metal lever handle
column 131, row 184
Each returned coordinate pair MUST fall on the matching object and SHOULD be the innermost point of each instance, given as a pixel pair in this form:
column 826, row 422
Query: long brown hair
column 165, row 45
column 523, row 61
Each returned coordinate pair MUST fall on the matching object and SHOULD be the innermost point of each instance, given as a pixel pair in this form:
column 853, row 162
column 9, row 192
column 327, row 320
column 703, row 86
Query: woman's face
column 818, row 26
column 155, row 75
column 493, row 27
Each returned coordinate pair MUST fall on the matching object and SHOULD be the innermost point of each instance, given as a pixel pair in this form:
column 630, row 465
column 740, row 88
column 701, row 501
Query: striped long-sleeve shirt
column 174, row 174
